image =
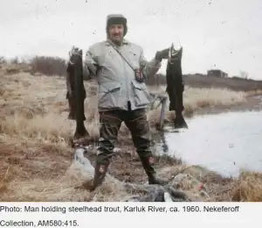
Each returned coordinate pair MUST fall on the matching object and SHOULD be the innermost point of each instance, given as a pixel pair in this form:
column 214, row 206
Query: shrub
column 48, row 65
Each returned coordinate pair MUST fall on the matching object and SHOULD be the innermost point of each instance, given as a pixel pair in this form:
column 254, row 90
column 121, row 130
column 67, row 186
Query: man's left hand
column 162, row 54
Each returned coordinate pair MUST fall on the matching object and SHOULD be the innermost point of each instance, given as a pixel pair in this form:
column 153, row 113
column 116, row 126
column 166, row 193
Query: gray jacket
column 116, row 79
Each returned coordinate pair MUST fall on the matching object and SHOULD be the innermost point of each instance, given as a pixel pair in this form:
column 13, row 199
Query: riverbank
column 36, row 154
column 251, row 103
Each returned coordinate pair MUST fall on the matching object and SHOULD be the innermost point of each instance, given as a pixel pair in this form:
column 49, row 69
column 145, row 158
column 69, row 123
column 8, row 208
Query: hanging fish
column 78, row 93
column 175, row 85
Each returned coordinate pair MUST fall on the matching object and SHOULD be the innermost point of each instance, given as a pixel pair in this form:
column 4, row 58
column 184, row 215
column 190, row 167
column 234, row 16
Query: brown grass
column 35, row 135
column 248, row 188
column 196, row 99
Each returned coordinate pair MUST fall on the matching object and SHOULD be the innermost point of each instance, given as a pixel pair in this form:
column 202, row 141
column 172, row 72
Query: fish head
column 174, row 55
column 75, row 55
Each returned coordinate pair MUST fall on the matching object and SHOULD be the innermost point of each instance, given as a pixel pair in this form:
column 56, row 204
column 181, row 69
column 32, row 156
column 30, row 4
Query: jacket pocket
column 141, row 94
column 109, row 95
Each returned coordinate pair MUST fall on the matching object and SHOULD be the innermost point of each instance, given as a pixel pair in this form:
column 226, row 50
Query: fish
column 75, row 71
column 175, row 86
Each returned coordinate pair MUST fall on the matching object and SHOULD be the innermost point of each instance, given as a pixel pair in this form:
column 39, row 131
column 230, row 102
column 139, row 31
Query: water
column 225, row 143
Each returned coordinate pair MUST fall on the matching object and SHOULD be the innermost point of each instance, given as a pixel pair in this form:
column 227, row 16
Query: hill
column 236, row 84
column 204, row 81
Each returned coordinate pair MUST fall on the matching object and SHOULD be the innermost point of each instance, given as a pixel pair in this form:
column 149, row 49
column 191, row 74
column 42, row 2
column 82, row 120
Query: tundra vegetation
column 36, row 137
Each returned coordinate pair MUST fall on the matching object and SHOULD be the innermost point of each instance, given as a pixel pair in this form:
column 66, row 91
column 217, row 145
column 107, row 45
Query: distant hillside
column 56, row 66
column 203, row 81
column 237, row 84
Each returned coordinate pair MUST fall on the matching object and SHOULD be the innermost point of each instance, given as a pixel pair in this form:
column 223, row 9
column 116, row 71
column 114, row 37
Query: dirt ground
column 36, row 149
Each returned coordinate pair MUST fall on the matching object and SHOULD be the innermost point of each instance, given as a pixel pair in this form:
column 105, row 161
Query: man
column 121, row 68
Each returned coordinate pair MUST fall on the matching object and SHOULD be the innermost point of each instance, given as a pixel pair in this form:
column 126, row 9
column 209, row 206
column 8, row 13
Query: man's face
column 116, row 33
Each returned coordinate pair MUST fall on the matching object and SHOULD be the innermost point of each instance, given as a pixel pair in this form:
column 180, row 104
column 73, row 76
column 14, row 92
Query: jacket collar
column 109, row 42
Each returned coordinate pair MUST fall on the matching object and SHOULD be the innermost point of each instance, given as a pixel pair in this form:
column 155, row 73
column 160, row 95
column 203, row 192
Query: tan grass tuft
column 248, row 188
column 50, row 127
column 195, row 98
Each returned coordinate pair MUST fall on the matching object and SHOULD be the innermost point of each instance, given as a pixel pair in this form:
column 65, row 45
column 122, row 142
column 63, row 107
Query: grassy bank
column 35, row 137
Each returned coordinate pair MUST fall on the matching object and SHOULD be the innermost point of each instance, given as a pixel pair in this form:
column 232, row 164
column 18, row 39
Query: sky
column 214, row 34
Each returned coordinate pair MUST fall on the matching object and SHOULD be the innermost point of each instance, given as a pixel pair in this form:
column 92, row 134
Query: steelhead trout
column 78, row 93
column 175, row 86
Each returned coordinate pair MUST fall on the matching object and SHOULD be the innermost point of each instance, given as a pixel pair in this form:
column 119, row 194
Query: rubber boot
column 148, row 163
column 100, row 173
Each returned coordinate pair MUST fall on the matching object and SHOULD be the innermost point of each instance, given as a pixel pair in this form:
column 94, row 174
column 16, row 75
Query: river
column 225, row 143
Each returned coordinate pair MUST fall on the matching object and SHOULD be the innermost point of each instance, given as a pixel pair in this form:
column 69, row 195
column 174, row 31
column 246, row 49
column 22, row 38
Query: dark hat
column 116, row 19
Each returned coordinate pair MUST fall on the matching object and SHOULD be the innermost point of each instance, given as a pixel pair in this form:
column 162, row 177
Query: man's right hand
column 73, row 54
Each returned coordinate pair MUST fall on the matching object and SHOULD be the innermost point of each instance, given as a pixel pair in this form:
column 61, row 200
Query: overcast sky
column 224, row 34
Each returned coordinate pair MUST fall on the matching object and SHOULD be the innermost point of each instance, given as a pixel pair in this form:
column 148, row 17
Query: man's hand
column 73, row 54
column 162, row 54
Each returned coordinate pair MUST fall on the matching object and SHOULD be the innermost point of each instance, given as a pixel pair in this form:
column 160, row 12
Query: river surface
column 225, row 143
